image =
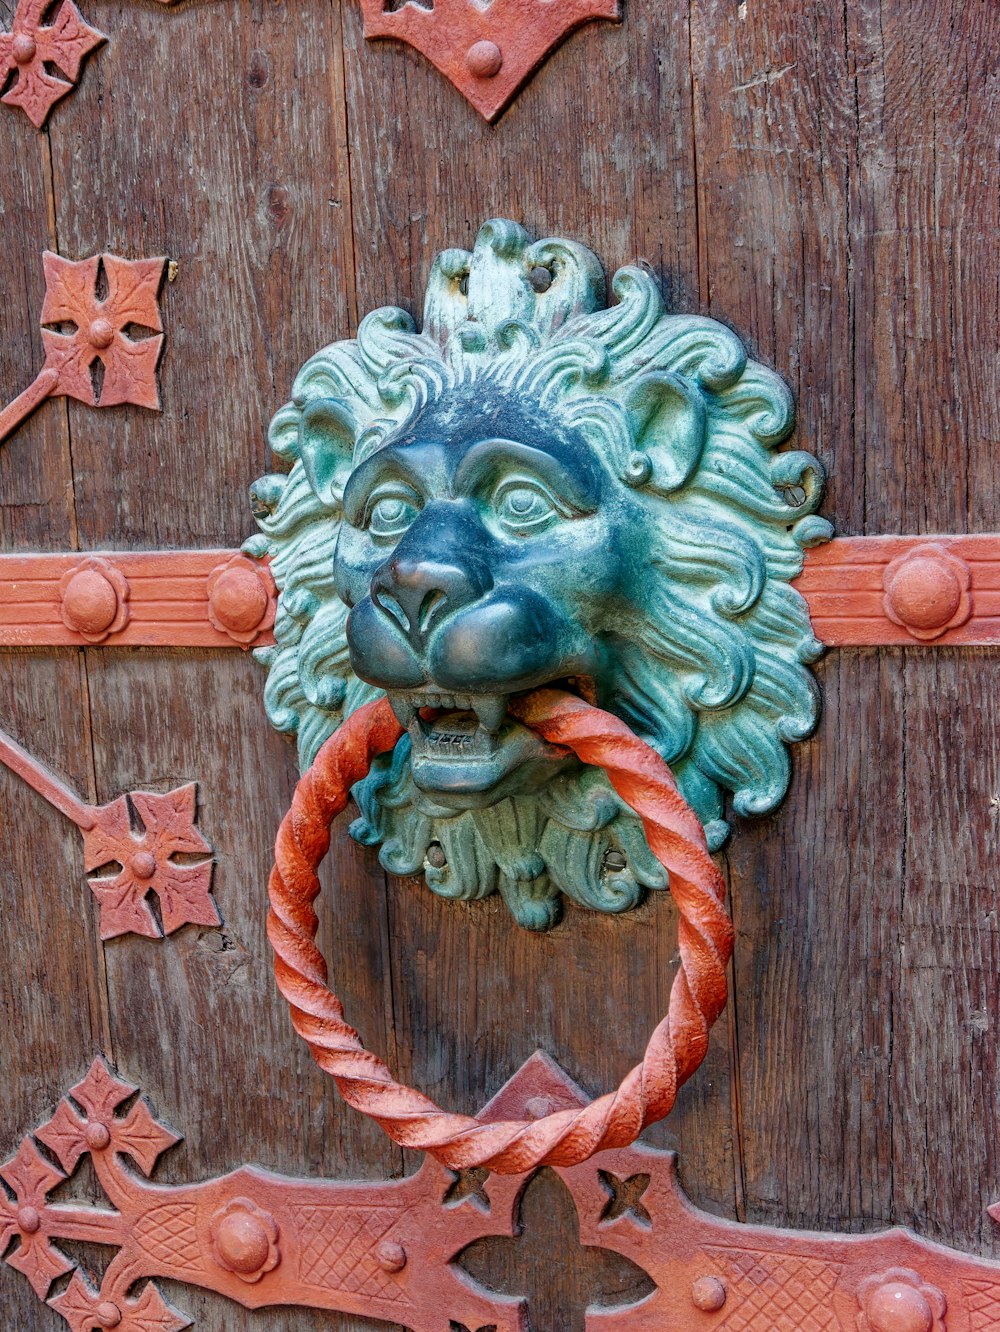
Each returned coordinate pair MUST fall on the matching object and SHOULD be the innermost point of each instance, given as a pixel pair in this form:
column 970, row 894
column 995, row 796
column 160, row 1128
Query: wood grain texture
column 36, row 480
column 223, row 129
column 823, row 177
column 52, row 982
column 847, row 208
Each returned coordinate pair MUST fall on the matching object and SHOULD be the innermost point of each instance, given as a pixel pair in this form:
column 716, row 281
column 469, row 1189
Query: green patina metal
column 538, row 487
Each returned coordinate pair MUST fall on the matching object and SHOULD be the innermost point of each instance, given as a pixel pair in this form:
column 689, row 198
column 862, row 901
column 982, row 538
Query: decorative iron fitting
column 102, row 347
column 488, row 51
column 677, row 1045
column 147, row 598
column 905, row 590
column 44, row 59
column 127, row 865
column 241, row 599
column 173, row 603
column 93, row 600
column 393, row 1250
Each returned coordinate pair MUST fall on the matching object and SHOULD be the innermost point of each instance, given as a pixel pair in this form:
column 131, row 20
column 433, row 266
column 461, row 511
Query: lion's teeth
column 491, row 711
column 405, row 708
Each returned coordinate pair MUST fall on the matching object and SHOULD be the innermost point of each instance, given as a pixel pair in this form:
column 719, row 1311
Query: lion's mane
column 717, row 678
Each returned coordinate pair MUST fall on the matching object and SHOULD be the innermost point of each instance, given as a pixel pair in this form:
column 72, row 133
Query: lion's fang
column 491, row 710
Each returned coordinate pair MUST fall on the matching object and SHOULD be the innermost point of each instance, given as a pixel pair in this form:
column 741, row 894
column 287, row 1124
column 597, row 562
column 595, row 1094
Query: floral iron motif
column 137, row 863
column 102, row 333
column 393, row 1250
column 540, row 488
column 44, row 60
column 488, row 51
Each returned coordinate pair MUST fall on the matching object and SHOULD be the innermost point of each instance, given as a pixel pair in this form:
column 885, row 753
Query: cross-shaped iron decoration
column 468, row 1186
column 624, row 1197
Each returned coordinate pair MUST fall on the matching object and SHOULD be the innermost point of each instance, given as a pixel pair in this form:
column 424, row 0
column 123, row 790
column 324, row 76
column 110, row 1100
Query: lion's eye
column 523, row 508
column 391, row 516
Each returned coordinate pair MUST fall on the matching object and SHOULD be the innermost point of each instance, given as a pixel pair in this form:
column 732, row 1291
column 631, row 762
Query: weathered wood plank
column 822, row 178
column 237, row 170
column 848, row 205
column 52, row 982
column 198, row 1019
column 36, row 488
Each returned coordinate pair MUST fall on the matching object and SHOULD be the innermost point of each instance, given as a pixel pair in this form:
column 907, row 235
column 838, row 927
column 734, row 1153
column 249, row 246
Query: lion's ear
column 326, row 447
column 667, row 416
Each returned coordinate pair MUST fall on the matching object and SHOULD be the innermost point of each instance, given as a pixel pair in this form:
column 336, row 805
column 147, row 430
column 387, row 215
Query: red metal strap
column 861, row 591
column 677, row 1046
column 144, row 598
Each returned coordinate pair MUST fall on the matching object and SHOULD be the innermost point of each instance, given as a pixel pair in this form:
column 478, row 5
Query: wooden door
column 823, row 179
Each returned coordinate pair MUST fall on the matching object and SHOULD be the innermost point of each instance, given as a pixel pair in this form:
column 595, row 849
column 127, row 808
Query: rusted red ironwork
column 93, row 599
column 170, row 603
column 488, row 51
column 102, row 347
column 241, row 599
column 388, row 1250
column 883, row 590
column 164, row 598
column 44, row 58
column 927, row 591
column 136, row 862
column 560, row 1137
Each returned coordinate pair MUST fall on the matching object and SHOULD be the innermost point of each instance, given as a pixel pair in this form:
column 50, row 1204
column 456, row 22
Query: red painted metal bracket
column 942, row 591
column 136, row 862
column 388, row 1250
column 488, row 51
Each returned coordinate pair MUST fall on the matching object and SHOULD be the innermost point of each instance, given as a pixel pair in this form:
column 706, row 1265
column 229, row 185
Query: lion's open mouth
column 465, row 744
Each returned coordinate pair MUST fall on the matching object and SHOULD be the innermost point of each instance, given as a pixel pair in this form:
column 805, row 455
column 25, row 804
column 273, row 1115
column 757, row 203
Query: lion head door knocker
column 557, row 538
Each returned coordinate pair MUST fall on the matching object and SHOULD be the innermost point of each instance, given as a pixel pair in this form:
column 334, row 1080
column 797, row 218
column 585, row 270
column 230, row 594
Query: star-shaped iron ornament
column 37, row 54
column 85, row 1123
column 68, row 1134
column 100, row 327
column 102, row 332
column 164, row 854
column 84, row 1308
column 32, row 1178
column 147, row 863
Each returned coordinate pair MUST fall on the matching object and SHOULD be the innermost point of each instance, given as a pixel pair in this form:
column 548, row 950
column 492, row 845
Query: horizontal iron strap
column 172, row 600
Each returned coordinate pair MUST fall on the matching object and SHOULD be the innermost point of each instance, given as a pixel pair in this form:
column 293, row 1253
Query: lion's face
column 539, row 489
column 486, row 549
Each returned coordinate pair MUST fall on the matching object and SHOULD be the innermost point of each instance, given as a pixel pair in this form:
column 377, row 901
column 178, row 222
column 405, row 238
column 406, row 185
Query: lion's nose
column 417, row 593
